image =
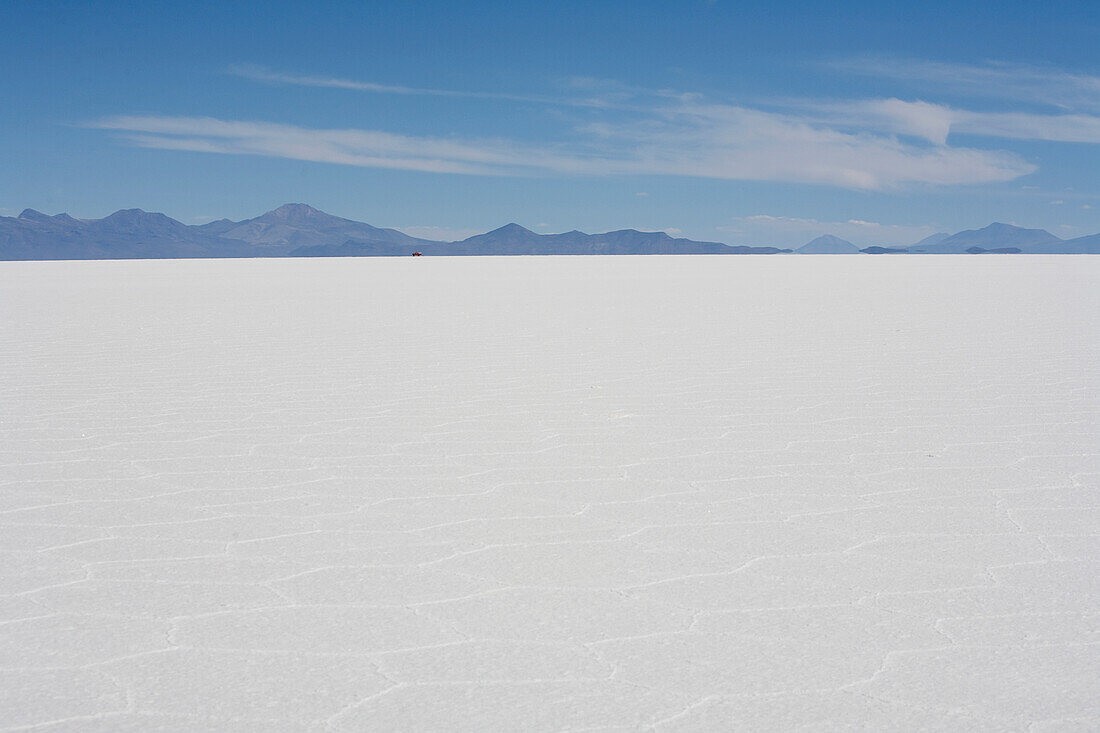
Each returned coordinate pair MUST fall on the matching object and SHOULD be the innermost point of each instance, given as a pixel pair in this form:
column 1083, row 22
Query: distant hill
column 994, row 251
column 293, row 226
column 1080, row 245
column 998, row 238
column 512, row 239
column 995, row 236
column 298, row 230
column 126, row 234
column 929, row 241
column 828, row 245
column 884, row 250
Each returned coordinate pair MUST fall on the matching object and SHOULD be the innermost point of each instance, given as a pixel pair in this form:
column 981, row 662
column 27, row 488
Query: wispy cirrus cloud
column 919, row 118
column 1070, row 128
column 582, row 92
column 991, row 80
column 364, row 148
column 727, row 141
column 618, row 130
column 685, row 137
column 934, row 122
column 263, row 74
column 847, row 143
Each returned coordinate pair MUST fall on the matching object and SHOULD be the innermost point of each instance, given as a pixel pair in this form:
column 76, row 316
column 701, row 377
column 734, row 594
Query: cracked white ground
column 527, row 494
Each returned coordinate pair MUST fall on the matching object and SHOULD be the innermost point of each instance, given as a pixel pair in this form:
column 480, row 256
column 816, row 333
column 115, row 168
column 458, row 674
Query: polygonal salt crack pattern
column 543, row 494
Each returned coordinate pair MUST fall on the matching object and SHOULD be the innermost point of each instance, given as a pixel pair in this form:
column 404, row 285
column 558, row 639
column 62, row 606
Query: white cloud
column 919, row 119
column 1075, row 96
column 997, row 80
column 608, row 98
column 1072, row 128
column 366, row 148
column 852, row 144
column 863, row 144
column 725, row 141
column 687, row 140
column 260, row 73
column 934, row 122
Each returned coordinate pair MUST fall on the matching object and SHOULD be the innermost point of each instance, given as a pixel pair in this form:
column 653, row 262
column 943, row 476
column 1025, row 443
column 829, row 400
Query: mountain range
column 997, row 238
column 298, row 230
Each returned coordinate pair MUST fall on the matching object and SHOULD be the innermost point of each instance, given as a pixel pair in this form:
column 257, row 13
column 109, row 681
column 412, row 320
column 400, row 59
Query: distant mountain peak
column 999, row 227
column 296, row 226
column 296, row 207
column 127, row 216
column 140, row 223
column 996, row 236
column 131, row 215
column 827, row 244
column 512, row 228
column 296, row 212
column 38, row 216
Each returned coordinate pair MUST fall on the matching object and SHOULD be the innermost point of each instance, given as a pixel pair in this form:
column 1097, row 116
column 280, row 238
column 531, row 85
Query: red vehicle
column 418, row 254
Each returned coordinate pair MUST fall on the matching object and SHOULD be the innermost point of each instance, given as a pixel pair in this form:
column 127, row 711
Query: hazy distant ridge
column 298, row 230
column 512, row 239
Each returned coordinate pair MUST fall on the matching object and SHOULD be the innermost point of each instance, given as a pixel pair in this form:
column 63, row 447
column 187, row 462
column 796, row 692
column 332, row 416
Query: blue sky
column 745, row 123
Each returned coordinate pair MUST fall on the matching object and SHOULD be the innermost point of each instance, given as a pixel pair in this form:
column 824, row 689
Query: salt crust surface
column 668, row 493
